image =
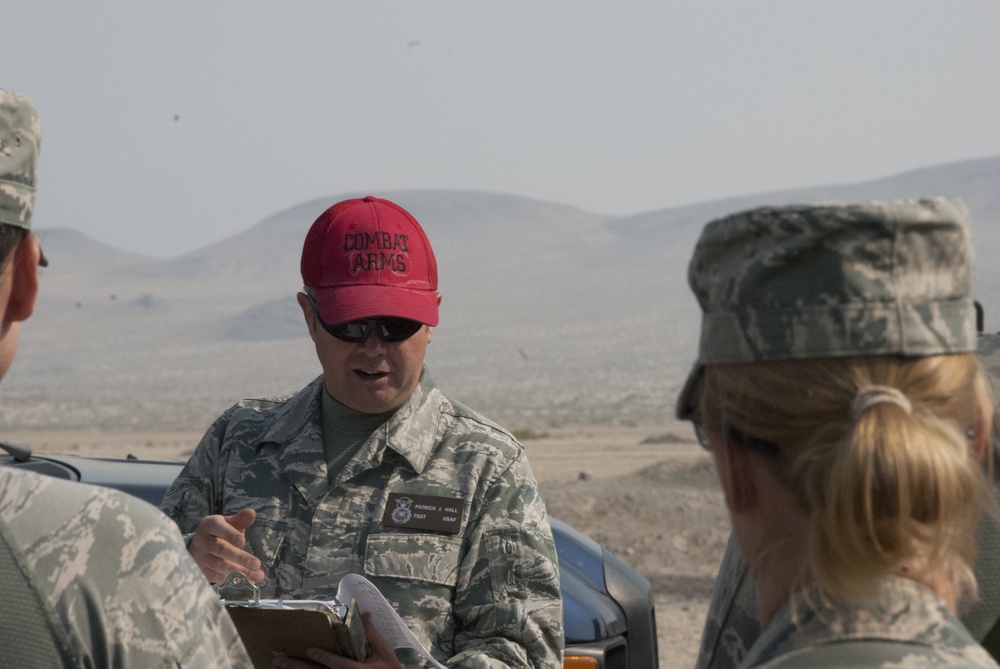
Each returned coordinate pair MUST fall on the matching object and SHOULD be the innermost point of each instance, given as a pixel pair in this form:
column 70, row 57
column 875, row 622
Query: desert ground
column 648, row 494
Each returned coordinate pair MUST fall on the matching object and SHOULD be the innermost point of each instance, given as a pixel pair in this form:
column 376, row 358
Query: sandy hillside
column 648, row 494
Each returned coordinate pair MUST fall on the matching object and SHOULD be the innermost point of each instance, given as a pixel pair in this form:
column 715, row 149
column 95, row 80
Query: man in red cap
column 370, row 469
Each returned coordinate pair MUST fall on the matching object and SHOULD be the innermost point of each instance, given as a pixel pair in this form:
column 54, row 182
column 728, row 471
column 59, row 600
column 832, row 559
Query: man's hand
column 217, row 547
column 381, row 654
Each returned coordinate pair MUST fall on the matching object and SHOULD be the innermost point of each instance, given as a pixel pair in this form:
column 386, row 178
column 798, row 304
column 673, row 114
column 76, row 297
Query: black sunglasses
column 388, row 328
column 754, row 444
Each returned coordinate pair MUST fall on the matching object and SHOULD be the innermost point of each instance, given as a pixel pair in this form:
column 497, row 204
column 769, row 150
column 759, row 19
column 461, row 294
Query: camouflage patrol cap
column 793, row 282
column 20, row 139
column 20, row 136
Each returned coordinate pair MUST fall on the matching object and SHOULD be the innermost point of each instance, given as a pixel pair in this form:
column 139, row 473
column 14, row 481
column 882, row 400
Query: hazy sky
column 168, row 125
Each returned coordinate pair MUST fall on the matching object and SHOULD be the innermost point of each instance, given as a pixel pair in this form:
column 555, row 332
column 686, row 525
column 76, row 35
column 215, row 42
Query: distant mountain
column 551, row 315
column 75, row 253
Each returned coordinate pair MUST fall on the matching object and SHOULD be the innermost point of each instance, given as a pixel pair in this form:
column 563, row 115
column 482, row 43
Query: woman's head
column 879, row 453
column 843, row 336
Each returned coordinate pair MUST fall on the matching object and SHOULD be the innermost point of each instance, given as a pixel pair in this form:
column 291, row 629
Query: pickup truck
column 608, row 611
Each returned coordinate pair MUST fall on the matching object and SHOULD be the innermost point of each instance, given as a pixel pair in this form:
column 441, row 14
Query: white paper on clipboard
column 385, row 618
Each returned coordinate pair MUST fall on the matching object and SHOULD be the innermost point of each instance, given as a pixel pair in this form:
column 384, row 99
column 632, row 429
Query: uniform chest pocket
column 415, row 556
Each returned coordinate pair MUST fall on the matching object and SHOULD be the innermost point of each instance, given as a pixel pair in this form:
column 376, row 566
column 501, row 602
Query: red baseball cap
column 369, row 257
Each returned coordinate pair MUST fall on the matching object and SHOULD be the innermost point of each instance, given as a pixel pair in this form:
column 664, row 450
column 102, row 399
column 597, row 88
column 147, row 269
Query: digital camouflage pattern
column 486, row 596
column 115, row 578
column 904, row 626
column 20, row 137
column 731, row 625
column 806, row 281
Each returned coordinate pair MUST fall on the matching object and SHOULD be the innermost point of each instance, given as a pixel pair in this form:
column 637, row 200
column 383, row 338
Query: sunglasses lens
column 389, row 329
column 397, row 329
column 354, row 331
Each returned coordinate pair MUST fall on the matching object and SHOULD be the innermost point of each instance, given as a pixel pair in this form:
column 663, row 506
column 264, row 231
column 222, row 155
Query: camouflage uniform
column 905, row 625
column 797, row 282
column 484, row 595
column 731, row 626
column 114, row 578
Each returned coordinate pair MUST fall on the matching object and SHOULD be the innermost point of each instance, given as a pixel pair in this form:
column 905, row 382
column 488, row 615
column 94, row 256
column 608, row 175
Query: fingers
column 216, row 547
column 380, row 651
column 381, row 656
column 282, row 662
column 317, row 658
column 242, row 520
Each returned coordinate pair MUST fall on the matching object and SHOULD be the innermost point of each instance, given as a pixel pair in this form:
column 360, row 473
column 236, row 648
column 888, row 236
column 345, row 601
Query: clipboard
column 270, row 627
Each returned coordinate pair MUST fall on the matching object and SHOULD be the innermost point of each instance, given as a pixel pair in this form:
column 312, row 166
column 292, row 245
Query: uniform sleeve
column 120, row 580
column 731, row 625
column 162, row 599
column 508, row 601
column 194, row 494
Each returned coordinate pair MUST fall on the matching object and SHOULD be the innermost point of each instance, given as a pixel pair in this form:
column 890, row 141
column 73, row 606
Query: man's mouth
column 370, row 376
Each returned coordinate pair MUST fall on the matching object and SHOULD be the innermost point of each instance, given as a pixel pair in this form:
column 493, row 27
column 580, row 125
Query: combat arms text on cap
column 802, row 281
column 369, row 257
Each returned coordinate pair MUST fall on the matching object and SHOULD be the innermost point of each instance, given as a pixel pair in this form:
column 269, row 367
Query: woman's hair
column 882, row 480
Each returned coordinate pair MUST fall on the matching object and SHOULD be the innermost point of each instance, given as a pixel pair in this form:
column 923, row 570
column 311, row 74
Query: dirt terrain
column 649, row 494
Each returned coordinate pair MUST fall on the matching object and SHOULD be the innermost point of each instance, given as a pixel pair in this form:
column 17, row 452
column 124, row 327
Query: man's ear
column 307, row 313
column 24, row 279
column 430, row 330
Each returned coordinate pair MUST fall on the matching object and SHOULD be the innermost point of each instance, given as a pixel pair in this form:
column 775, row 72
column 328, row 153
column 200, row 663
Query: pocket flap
column 431, row 558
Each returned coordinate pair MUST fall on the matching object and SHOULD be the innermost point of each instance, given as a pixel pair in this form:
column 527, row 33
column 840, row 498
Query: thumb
column 378, row 645
column 242, row 520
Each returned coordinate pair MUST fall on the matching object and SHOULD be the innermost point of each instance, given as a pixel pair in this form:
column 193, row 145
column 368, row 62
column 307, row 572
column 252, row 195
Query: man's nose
column 372, row 343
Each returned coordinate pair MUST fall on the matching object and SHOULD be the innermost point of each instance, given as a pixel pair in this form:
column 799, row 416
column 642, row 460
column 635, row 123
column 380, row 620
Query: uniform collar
column 410, row 431
column 900, row 611
column 295, row 428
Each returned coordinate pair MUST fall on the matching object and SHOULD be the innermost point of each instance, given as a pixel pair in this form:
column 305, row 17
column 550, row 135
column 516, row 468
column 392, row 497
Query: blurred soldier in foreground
column 89, row 577
column 848, row 419
column 370, row 469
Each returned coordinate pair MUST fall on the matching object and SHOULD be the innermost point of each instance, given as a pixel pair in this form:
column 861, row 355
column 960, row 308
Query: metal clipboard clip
column 237, row 590
column 289, row 627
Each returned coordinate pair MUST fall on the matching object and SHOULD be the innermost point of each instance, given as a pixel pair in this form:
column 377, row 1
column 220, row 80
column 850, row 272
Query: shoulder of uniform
column 475, row 426
column 271, row 402
column 263, row 403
